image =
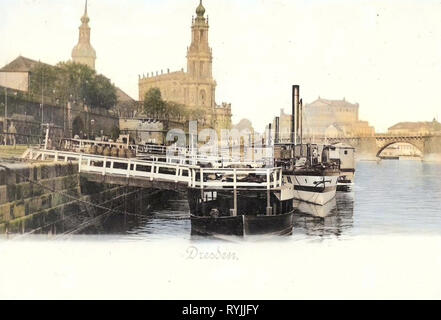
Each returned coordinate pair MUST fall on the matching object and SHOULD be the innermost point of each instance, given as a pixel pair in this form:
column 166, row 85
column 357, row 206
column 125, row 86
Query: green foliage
column 175, row 111
column 196, row 115
column 155, row 106
column 153, row 103
column 73, row 81
column 43, row 80
column 114, row 133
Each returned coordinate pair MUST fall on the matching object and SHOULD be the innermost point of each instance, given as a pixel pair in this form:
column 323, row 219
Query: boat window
column 346, row 152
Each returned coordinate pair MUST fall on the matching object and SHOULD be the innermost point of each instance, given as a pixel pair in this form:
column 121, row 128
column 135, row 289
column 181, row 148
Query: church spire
column 200, row 10
column 199, row 56
column 83, row 51
column 85, row 19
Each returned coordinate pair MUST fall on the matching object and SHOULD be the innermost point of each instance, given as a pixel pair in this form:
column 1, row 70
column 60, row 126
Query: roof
column 332, row 103
column 122, row 96
column 21, row 64
column 433, row 125
column 244, row 124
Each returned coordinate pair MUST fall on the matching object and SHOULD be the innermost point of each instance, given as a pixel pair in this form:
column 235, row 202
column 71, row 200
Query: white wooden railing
column 183, row 155
column 193, row 176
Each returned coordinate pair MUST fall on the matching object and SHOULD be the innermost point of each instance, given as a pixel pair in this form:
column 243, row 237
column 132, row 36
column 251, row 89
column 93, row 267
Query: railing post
column 152, row 172
column 275, row 178
column 79, row 163
column 128, row 168
column 104, row 166
column 190, row 177
column 202, row 178
column 177, row 173
column 268, row 182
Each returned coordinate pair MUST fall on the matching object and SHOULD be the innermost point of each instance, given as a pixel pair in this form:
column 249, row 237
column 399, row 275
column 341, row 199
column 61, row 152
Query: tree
column 175, row 111
column 101, row 93
column 115, row 132
column 42, row 80
column 74, row 81
column 153, row 104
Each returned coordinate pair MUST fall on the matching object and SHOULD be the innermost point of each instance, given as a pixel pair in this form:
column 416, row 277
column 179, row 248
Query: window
column 203, row 97
column 201, row 70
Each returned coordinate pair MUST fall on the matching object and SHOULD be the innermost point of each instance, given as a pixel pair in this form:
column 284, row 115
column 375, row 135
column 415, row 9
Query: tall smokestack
column 295, row 113
column 269, row 134
column 277, row 133
column 301, row 127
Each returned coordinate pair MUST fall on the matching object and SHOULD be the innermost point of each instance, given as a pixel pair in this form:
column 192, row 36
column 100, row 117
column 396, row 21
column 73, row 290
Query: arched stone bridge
column 371, row 147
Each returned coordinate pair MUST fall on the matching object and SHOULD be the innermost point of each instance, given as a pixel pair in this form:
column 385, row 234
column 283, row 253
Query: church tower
column 199, row 55
column 83, row 52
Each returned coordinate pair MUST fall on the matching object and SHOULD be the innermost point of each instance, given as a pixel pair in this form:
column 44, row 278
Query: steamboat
column 240, row 202
column 308, row 169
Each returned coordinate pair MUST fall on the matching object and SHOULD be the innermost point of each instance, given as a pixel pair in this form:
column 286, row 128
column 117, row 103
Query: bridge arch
column 418, row 144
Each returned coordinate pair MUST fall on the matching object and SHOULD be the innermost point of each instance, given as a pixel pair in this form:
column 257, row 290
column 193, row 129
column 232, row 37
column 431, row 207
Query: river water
column 390, row 197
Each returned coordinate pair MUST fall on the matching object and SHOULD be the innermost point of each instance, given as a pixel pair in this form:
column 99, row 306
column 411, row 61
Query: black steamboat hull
column 243, row 225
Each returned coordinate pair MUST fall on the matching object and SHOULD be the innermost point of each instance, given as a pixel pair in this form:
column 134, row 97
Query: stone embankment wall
column 48, row 197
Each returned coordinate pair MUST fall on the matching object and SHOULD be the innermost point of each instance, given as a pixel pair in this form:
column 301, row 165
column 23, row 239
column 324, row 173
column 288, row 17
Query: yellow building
column 326, row 119
column 195, row 88
column 416, row 128
column 334, row 119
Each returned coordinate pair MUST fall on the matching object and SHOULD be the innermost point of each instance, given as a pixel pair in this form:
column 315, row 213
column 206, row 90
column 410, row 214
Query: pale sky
column 385, row 55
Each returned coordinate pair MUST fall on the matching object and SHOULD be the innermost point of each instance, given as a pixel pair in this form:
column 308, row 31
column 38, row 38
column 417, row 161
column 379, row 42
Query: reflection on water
column 388, row 197
column 171, row 219
column 334, row 218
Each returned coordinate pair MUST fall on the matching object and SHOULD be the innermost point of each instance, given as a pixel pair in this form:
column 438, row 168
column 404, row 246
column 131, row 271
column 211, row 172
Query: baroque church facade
column 196, row 88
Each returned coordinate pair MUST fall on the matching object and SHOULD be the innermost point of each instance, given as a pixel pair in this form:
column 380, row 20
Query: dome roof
column 83, row 50
column 200, row 10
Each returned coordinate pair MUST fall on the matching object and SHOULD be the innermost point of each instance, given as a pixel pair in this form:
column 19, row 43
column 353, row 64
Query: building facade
column 327, row 119
column 17, row 74
column 196, row 88
column 334, row 119
column 416, row 128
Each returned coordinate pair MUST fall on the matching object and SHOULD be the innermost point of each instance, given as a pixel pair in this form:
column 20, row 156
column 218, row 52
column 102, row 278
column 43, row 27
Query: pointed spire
column 83, row 52
column 85, row 19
